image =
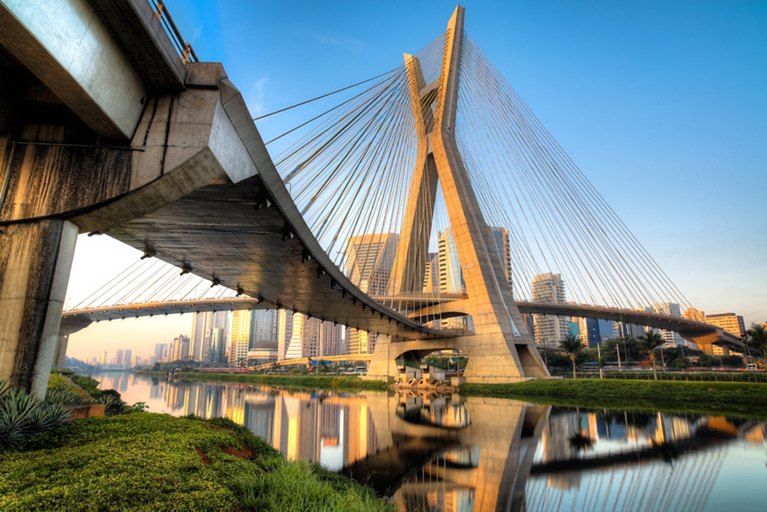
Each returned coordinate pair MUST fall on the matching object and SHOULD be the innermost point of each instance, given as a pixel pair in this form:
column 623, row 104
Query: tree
column 756, row 339
column 649, row 342
column 571, row 345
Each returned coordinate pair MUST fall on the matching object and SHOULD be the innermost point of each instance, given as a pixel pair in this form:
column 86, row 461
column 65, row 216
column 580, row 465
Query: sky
column 662, row 105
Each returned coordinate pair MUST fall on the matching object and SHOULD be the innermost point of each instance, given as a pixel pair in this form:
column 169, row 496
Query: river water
column 453, row 453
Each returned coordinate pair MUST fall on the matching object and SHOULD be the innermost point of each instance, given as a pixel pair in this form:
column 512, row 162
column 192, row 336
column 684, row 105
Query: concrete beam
column 67, row 47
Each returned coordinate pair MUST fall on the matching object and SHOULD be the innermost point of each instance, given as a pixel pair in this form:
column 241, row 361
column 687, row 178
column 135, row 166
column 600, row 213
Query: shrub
column 23, row 415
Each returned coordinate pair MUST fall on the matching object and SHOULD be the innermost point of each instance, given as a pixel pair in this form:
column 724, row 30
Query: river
column 454, row 453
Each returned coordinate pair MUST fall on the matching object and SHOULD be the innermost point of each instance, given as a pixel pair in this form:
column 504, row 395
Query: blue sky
column 661, row 103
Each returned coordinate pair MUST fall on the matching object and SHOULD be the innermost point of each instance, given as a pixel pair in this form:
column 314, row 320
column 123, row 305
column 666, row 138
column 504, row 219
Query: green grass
column 340, row 382
column 725, row 398
column 158, row 462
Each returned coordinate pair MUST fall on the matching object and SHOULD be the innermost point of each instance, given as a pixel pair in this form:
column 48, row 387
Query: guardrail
column 184, row 48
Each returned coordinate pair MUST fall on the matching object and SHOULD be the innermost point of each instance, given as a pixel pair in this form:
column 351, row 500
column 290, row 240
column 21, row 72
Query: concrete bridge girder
column 174, row 152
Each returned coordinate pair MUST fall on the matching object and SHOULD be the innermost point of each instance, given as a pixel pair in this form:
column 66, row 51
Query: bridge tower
column 501, row 349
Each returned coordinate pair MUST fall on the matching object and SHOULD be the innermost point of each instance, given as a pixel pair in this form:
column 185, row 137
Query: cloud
column 256, row 94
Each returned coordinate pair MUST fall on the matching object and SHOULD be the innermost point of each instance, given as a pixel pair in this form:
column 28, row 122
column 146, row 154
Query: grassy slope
column 148, row 461
column 731, row 398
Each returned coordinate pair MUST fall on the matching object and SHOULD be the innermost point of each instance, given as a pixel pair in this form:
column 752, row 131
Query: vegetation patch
column 158, row 462
column 341, row 382
column 726, row 398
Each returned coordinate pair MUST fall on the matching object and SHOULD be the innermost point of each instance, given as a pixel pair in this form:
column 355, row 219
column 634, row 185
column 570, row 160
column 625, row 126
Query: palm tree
column 571, row 345
column 756, row 338
column 649, row 342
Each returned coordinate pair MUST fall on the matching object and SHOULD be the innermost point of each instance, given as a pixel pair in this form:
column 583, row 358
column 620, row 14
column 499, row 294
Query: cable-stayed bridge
column 432, row 180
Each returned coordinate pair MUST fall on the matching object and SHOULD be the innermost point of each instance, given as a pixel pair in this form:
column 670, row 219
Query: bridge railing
column 185, row 50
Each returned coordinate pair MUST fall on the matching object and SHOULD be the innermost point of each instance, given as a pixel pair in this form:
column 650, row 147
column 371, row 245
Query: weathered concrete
column 35, row 261
column 69, row 49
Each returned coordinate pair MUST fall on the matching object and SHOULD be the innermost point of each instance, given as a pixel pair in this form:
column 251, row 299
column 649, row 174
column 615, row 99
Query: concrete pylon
column 501, row 349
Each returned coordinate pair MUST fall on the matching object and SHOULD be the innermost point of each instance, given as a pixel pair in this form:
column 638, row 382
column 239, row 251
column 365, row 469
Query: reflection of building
column 549, row 288
column 729, row 322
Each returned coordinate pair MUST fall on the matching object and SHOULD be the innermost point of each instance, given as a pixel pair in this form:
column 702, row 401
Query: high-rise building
column 217, row 354
column 594, row 332
column 305, row 338
column 331, row 339
column 284, row 332
column 239, row 342
column 431, row 275
column 179, row 348
column 627, row 331
column 160, row 353
column 127, row 358
column 202, row 332
column 501, row 238
column 729, row 322
column 263, row 326
column 549, row 288
column 672, row 338
column 369, row 261
column 694, row 314
column 450, row 275
column 119, row 358
column 103, row 358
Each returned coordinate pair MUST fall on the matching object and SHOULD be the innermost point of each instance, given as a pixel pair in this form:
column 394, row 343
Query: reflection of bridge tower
column 501, row 348
column 484, row 462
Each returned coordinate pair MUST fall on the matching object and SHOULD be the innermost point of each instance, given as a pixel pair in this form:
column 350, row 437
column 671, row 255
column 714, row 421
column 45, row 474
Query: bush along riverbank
column 338, row 382
column 144, row 461
column 724, row 398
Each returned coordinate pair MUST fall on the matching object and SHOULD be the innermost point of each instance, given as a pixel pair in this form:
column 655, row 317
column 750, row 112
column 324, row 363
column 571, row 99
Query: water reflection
column 429, row 452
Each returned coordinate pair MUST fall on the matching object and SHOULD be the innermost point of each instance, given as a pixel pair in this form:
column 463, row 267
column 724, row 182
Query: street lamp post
column 618, row 350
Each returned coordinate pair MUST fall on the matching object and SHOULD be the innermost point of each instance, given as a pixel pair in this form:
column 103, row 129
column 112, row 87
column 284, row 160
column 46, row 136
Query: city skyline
column 732, row 278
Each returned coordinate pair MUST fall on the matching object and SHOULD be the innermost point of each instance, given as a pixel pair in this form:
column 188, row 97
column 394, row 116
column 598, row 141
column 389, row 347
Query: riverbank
column 721, row 398
column 159, row 462
column 336, row 382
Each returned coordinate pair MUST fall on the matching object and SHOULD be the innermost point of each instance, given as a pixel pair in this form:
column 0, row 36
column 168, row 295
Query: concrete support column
column 59, row 360
column 35, row 261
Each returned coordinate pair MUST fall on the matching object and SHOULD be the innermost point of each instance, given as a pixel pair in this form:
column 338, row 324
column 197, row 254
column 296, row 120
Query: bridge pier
column 491, row 358
column 35, row 261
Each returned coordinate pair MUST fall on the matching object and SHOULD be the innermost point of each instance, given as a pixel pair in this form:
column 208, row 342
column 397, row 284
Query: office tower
column 202, row 332
column 127, row 355
column 304, row 341
column 160, row 353
column 549, row 288
column 119, row 358
column 729, row 322
column 594, row 331
column 671, row 309
column 284, row 331
column 431, row 275
column 331, row 339
column 239, row 342
column 501, row 238
column 179, row 348
column 103, row 359
column 694, row 314
column 217, row 354
column 450, row 275
column 369, row 260
column 263, row 326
